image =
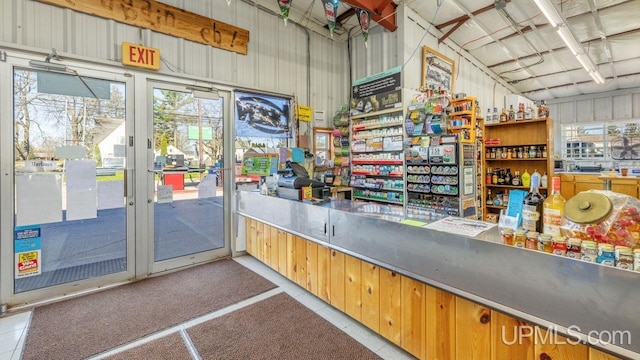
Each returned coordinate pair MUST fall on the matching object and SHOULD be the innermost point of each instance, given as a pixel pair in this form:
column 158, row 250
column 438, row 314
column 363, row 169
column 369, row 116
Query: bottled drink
column 496, row 115
column 526, row 178
column 520, row 113
column 543, row 110
column 489, row 198
column 503, row 115
column 532, row 207
column 512, row 113
column 537, row 174
column 543, row 181
column 517, row 180
column 527, row 112
column 534, row 110
column 489, row 119
column 553, row 209
column 508, row 177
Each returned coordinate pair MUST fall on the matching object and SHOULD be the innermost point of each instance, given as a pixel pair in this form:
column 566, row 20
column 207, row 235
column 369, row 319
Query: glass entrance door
column 73, row 208
column 186, row 176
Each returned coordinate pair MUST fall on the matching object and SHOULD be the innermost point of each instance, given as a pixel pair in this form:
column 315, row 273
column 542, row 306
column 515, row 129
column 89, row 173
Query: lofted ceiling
column 515, row 40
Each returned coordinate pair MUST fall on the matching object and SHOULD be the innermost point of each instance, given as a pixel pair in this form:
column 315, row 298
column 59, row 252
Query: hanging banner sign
column 364, row 18
column 330, row 11
column 140, row 56
column 28, row 251
column 305, row 113
column 165, row 19
column 284, row 5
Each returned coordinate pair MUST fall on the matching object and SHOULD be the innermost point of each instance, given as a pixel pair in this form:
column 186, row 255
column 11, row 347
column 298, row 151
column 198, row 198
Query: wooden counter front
column 572, row 184
column 425, row 321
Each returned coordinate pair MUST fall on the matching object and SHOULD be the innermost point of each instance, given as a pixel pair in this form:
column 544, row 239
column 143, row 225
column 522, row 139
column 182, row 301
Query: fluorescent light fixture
column 597, row 77
column 45, row 65
column 585, row 61
column 549, row 11
column 569, row 39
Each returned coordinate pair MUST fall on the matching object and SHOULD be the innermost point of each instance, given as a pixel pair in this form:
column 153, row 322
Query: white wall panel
column 584, row 111
column 622, row 106
column 602, row 108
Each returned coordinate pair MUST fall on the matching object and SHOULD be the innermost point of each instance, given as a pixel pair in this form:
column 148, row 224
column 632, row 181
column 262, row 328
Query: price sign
column 435, row 154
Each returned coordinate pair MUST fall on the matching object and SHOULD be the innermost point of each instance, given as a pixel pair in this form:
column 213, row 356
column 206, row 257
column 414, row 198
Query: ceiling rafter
column 459, row 21
column 382, row 11
column 580, row 83
column 563, row 47
column 603, row 37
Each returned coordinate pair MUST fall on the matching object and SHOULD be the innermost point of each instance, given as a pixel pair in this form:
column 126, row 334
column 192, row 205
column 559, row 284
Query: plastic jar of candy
column 606, row 255
column 636, row 259
column 520, row 238
column 574, row 246
column 589, row 251
column 624, row 258
column 532, row 240
column 559, row 246
column 506, row 235
column 544, row 243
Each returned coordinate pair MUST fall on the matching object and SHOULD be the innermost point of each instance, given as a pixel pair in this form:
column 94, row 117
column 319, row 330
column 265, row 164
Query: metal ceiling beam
column 464, row 18
column 564, row 47
column 461, row 20
column 603, row 36
column 384, row 16
column 579, row 83
column 342, row 17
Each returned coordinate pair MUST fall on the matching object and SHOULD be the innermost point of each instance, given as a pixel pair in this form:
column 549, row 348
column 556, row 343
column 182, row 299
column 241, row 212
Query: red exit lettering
column 140, row 56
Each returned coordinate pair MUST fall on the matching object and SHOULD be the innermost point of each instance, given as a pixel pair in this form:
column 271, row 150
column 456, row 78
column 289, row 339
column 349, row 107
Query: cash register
column 293, row 178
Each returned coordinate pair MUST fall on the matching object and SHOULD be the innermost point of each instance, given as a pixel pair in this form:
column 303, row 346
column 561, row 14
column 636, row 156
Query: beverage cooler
column 441, row 181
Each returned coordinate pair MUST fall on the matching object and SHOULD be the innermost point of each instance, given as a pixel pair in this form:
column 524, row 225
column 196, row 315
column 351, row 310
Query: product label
column 552, row 219
column 530, row 217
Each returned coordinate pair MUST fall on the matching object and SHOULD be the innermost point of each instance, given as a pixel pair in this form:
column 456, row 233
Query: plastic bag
column 620, row 228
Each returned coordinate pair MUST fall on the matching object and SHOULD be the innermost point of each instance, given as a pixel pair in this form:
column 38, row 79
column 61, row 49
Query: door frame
column 147, row 161
column 20, row 60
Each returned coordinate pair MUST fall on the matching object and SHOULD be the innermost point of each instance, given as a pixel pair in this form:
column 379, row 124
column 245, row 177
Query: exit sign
column 140, row 56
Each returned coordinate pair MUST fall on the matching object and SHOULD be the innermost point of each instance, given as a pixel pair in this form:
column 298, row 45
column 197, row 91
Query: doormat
column 91, row 324
column 278, row 327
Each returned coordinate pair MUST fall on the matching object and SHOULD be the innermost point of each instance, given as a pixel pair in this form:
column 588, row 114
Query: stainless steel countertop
column 573, row 297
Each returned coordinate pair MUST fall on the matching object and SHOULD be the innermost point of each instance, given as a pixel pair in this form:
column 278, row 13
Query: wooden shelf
column 511, row 186
column 529, row 159
column 508, row 123
column 534, row 132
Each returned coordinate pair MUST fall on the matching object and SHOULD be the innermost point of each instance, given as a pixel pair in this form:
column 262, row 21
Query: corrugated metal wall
column 276, row 60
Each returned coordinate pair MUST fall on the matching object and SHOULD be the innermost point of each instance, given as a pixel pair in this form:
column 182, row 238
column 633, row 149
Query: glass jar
column 503, row 154
column 589, row 251
column 606, row 255
column 520, row 238
column 544, row 243
column 506, row 235
column 532, row 240
column 559, row 246
column 532, row 152
column 624, row 258
column 574, row 250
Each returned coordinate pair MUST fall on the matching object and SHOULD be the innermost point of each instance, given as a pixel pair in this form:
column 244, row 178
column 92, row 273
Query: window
column 602, row 141
column 322, row 147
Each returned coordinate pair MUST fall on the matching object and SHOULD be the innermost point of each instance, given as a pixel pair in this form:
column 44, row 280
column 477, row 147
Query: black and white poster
column 262, row 116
